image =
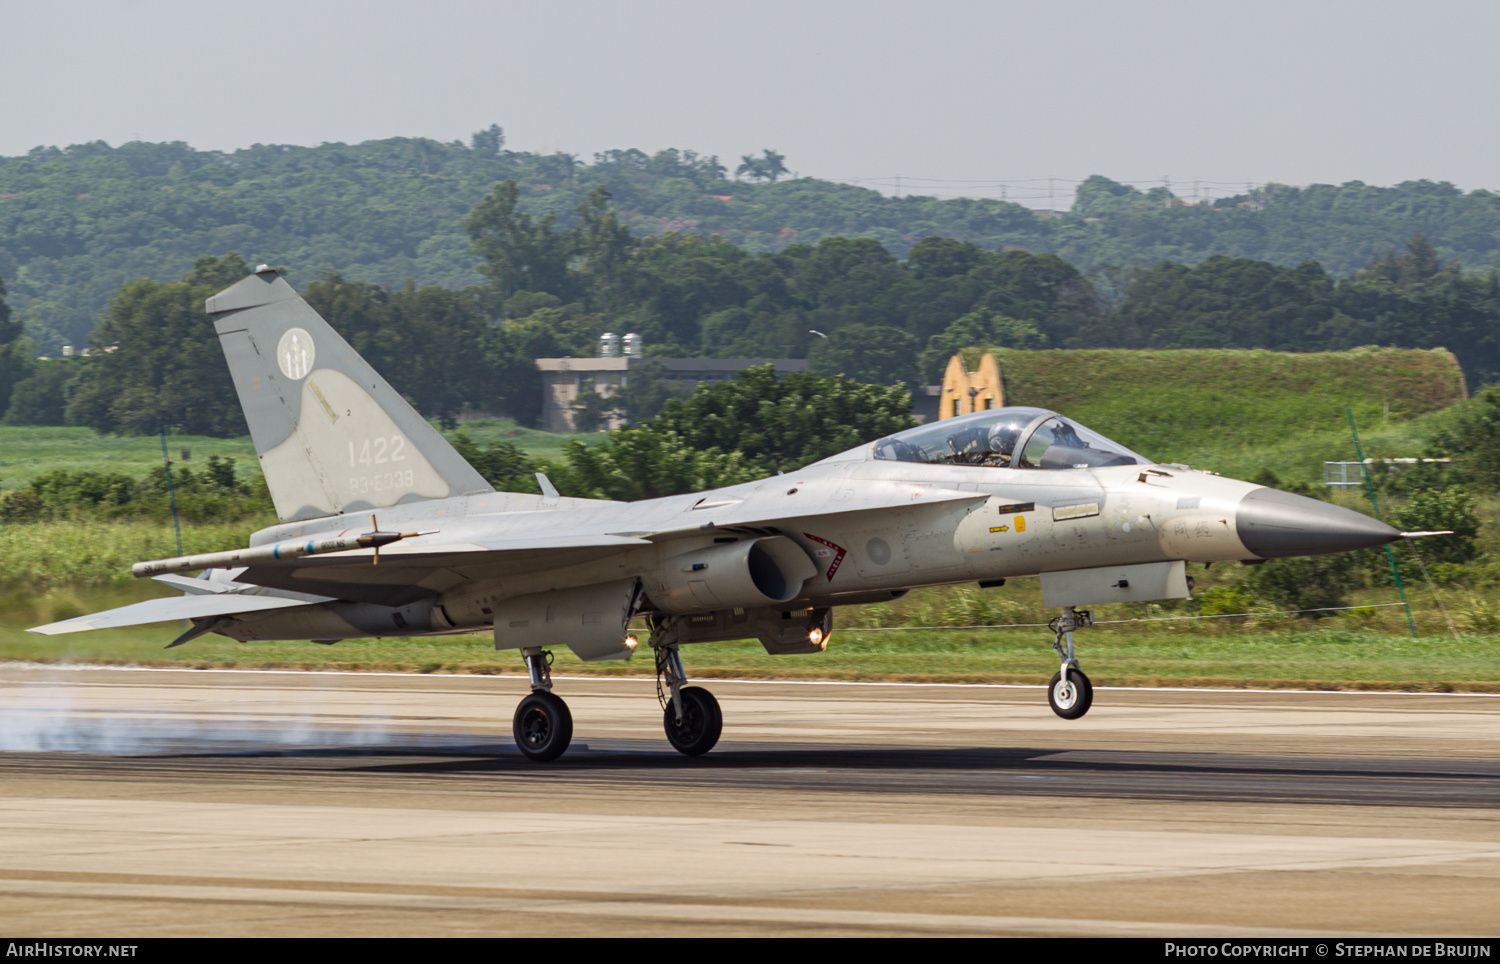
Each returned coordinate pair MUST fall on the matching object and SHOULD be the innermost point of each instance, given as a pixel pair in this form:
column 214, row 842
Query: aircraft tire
column 702, row 722
column 543, row 727
column 1070, row 703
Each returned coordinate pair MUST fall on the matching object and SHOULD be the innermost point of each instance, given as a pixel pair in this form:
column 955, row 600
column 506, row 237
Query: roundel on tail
column 295, row 353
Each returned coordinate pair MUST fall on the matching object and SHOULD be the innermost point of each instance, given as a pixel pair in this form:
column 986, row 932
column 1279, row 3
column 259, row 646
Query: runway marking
column 87, row 667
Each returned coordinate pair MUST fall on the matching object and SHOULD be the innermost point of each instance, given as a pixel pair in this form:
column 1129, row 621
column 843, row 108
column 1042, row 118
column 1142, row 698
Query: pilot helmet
column 1003, row 437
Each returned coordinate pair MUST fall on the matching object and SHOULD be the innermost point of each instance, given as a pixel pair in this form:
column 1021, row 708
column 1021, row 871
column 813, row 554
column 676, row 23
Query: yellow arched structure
column 955, row 389
column 984, row 385
column 965, row 391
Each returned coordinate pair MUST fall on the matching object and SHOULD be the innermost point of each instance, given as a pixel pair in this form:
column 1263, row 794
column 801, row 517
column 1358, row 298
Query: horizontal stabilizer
column 166, row 610
column 194, row 586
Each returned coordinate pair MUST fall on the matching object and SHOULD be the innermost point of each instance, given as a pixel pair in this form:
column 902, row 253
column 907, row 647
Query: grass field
column 1236, row 412
column 1368, row 648
column 537, row 444
column 1342, row 655
column 27, row 451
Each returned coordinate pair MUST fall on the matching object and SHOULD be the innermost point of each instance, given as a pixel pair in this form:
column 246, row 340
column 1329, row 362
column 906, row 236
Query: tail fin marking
column 332, row 435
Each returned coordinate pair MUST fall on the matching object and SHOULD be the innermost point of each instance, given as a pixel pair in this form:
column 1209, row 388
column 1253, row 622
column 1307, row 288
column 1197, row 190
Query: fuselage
column 1018, row 522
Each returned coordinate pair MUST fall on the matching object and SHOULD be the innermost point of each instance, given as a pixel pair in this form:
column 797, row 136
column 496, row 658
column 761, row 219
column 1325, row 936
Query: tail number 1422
column 377, row 451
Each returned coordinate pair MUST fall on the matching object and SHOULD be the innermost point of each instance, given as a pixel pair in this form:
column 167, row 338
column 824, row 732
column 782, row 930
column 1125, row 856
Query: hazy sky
column 962, row 93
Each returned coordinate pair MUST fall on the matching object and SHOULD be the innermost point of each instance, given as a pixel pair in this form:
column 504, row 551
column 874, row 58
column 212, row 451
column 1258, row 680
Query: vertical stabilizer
column 332, row 435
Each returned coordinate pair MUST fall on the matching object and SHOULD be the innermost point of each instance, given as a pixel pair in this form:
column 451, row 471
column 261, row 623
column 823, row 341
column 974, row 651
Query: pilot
column 969, row 445
column 1002, row 442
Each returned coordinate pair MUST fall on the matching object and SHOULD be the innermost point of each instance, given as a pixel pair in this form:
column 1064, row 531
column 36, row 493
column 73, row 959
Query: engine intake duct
column 750, row 573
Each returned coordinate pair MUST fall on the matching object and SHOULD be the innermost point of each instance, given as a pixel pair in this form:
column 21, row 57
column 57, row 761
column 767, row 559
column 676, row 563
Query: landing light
column 816, row 636
column 631, row 642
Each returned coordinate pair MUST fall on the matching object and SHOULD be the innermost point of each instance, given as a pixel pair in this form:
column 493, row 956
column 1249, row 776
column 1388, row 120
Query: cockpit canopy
column 1024, row 438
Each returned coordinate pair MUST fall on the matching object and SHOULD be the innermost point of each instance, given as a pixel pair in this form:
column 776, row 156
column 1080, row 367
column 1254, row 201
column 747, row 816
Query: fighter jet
column 386, row 531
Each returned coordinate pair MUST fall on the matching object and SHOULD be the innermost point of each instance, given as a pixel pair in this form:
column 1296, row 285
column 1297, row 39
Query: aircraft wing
column 408, row 572
column 172, row 608
column 720, row 513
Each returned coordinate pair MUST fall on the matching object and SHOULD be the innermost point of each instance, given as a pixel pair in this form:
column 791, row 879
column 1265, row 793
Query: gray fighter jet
column 386, row 531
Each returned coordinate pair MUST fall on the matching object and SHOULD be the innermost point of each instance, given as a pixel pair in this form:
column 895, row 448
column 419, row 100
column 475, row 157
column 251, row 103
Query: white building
column 564, row 379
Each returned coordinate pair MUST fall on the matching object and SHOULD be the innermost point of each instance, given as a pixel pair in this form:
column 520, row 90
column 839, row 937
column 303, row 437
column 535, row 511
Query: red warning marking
column 838, row 553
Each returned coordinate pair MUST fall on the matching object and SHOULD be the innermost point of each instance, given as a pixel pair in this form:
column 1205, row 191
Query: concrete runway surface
column 155, row 803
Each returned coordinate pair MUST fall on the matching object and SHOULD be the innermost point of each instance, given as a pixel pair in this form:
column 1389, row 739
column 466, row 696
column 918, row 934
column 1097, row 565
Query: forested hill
column 77, row 224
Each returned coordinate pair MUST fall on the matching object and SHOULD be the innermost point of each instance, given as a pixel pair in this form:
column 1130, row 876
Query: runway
column 141, row 803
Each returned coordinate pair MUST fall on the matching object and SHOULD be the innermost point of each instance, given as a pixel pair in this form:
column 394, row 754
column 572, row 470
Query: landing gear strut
column 1069, row 693
column 543, row 727
column 690, row 715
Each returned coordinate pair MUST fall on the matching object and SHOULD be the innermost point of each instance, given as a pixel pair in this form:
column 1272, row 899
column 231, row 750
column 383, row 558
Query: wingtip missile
column 278, row 552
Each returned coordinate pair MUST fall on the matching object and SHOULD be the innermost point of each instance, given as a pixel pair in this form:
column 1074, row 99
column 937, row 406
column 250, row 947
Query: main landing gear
column 1069, row 693
column 543, row 727
column 690, row 715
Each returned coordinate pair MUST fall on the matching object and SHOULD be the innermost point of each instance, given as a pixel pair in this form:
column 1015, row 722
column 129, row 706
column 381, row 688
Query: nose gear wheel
column 1070, row 698
column 1070, row 693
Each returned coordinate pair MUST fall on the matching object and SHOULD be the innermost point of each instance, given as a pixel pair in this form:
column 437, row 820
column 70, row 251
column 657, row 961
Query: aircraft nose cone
column 1273, row 524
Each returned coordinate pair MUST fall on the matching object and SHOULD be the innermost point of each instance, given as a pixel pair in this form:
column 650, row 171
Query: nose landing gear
column 1070, row 698
column 1070, row 694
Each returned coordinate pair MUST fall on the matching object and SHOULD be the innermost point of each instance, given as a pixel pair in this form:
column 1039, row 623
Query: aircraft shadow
column 1009, row 770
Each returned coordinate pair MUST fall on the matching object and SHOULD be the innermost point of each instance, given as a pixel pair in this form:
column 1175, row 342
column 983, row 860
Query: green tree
column 1438, row 511
column 877, row 354
column 768, row 167
column 1306, row 583
column 1222, row 303
column 646, row 462
column 156, row 360
column 977, row 329
column 62, row 490
column 15, row 361
column 1474, row 442
column 502, row 463
column 520, row 253
column 602, row 243
column 220, row 475
column 427, row 341
column 1270, row 479
column 647, row 389
column 732, row 432
column 591, row 411
column 79, row 222
column 488, row 142
column 785, row 423
column 41, row 398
